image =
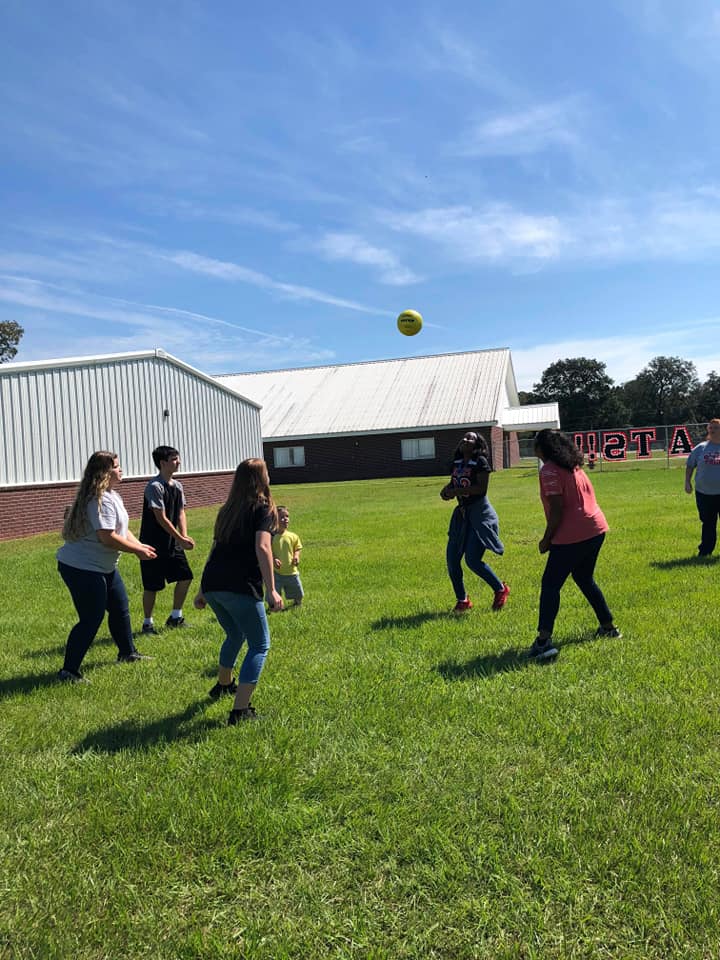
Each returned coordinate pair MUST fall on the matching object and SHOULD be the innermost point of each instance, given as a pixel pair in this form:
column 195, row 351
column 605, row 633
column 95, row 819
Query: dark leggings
column 94, row 593
column 708, row 506
column 577, row 560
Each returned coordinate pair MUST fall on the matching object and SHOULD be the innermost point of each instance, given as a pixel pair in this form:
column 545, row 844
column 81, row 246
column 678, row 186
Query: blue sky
column 263, row 186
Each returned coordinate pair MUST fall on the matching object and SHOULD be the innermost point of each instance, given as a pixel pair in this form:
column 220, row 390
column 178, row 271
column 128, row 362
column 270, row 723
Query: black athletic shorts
column 156, row 573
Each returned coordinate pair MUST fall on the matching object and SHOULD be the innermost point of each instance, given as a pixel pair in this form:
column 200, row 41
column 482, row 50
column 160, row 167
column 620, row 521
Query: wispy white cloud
column 117, row 325
column 225, row 270
column 351, row 248
column 523, row 132
column 495, row 233
column 624, row 355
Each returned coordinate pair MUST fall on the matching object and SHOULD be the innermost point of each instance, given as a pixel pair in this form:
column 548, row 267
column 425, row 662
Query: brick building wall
column 41, row 508
column 374, row 456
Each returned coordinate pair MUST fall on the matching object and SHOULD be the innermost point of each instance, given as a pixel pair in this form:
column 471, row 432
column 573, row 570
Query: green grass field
column 414, row 788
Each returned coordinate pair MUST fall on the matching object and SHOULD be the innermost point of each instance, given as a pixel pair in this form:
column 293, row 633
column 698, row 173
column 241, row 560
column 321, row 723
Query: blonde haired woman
column 96, row 533
column 240, row 565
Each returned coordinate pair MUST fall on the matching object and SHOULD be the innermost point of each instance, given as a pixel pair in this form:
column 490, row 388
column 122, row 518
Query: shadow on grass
column 412, row 620
column 693, row 561
column 12, row 686
column 509, row 661
column 135, row 735
column 60, row 650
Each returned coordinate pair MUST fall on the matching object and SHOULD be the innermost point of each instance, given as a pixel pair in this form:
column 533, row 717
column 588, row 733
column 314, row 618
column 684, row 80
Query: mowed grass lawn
column 414, row 788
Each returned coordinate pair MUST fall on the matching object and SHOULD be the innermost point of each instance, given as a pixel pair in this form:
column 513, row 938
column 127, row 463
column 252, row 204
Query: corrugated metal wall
column 53, row 418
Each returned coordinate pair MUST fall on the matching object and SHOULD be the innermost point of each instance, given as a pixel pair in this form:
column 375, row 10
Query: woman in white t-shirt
column 95, row 533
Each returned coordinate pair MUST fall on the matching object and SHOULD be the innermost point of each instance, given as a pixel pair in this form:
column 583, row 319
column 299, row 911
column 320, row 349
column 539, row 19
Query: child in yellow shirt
column 286, row 547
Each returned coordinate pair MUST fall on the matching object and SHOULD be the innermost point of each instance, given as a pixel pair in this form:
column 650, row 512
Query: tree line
column 667, row 390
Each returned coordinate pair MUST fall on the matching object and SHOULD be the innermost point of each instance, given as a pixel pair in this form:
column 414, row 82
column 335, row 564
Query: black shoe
column 148, row 629
column 237, row 716
column 175, row 622
column 69, row 676
column 223, row 689
column 607, row 632
column 542, row 649
column 132, row 657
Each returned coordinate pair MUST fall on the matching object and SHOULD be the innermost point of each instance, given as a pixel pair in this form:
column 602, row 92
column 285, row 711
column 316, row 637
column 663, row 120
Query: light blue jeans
column 242, row 617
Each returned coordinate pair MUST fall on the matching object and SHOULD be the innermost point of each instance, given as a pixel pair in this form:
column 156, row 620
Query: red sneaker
column 462, row 606
column 501, row 597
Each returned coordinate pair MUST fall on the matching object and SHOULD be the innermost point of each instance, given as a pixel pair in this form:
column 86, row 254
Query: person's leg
column 252, row 614
column 707, row 507
column 557, row 570
column 180, row 593
column 118, row 608
column 474, row 553
column 89, row 595
column 220, row 602
column 583, row 573
column 454, row 553
column 149, row 597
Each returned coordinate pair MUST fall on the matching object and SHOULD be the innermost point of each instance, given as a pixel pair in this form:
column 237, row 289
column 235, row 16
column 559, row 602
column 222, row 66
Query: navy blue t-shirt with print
column 465, row 474
column 233, row 566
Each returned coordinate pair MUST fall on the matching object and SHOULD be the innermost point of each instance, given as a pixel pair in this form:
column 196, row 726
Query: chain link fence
column 666, row 446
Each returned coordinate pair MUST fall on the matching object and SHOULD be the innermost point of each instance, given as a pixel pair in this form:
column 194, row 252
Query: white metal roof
column 412, row 394
column 535, row 416
column 63, row 362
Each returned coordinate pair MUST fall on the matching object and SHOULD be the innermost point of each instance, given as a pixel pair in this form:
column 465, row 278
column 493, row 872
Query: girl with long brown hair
column 240, row 565
column 96, row 533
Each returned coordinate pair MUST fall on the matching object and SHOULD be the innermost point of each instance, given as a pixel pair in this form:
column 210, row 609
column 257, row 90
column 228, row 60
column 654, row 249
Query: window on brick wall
column 289, row 456
column 418, row 448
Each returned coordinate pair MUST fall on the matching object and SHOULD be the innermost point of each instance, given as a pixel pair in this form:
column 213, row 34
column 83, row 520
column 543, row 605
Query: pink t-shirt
column 582, row 517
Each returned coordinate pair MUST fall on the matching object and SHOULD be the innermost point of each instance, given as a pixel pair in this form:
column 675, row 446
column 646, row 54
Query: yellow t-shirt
column 284, row 546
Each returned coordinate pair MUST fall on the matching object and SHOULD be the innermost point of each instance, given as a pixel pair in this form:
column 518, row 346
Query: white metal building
column 55, row 413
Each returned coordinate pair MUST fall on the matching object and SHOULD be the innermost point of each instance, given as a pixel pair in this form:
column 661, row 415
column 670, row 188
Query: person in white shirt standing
column 96, row 533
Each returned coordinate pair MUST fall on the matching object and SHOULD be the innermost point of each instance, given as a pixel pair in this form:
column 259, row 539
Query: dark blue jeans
column 708, row 506
column 93, row 594
column 578, row 561
column 463, row 541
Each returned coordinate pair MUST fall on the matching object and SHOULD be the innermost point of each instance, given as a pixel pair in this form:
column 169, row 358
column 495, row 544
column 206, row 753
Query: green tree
column 708, row 397
column 582, row 390
column 10, row 335
column 664, row 391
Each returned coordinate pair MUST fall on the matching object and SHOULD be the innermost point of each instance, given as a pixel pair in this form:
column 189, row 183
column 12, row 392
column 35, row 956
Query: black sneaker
column 542, row 649
column 223, row 689
column 607, row 632
column 237, row 716
column 69, row 676
column 175, row 622
column 132, row 657
column 148, row 629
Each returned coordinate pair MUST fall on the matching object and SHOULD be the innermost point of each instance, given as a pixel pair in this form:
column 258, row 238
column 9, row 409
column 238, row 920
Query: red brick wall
column 40, row 509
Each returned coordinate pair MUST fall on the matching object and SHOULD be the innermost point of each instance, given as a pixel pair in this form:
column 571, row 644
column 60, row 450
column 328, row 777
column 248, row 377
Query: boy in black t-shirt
column 164, row 526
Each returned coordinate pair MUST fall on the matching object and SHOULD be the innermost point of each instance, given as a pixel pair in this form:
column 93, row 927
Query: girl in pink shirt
column 574, row 533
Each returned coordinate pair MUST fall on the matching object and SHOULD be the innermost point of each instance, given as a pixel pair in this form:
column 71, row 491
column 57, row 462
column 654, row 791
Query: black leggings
column 577, row 560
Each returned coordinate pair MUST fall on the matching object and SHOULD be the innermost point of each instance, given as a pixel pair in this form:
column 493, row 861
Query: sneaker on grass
column 608, row 632
column 501, row 597
column 462, row 606
column 69, row 676
column 132, row 657
column 148, row 629
column 542, row 649
column 223, row 689
column 238, row 716
column 175, row 622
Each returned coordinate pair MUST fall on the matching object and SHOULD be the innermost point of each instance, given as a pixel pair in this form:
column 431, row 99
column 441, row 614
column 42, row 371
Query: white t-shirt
column 88, row 553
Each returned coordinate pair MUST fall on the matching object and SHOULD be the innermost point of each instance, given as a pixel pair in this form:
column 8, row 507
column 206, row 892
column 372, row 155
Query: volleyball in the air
column 409, row 322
